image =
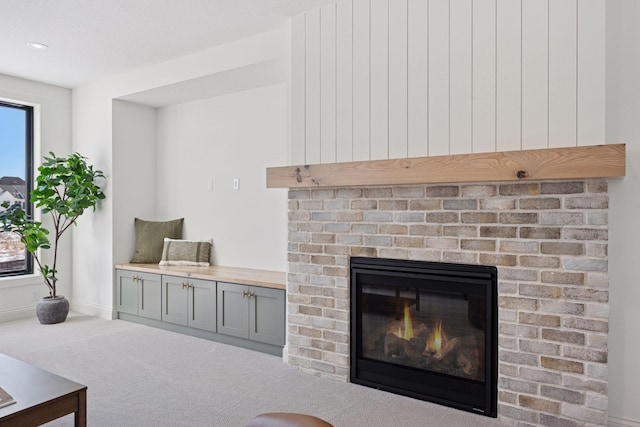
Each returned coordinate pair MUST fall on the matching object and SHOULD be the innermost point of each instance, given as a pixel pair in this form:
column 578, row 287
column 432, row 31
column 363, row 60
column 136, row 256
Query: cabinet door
column 202, row 304
column 175, row 295
column 126, row 292
column 149, row 295
column 266, row 315
column 233, row 306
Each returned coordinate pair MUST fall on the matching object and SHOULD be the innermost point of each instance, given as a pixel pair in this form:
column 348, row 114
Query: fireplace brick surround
column 548, row 240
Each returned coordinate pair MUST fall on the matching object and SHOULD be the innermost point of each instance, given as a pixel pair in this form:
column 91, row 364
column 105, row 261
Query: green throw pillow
column 186, row 252
column 150, row 238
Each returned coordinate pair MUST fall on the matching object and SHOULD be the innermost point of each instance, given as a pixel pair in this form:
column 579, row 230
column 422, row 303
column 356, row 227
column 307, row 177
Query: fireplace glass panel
column 443, row 332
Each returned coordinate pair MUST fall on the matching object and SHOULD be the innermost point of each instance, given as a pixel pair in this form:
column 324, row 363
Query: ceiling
column 92, row 39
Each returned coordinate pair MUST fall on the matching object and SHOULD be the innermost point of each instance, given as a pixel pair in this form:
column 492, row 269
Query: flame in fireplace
column 407, row 333
column 434, row 342
column 408, row 326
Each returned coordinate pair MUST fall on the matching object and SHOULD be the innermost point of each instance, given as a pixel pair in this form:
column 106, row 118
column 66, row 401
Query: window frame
column 29, row 146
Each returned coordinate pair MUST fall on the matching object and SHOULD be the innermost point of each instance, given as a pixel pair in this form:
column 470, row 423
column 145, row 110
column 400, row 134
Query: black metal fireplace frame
column 473, row 396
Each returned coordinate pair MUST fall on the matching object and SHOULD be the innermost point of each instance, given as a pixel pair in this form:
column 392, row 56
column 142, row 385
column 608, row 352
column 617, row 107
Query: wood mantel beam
column 595, row 161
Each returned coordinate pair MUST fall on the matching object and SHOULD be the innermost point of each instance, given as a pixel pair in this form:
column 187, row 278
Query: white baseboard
column 17, row 314
column 622, row 422
column 108, row 313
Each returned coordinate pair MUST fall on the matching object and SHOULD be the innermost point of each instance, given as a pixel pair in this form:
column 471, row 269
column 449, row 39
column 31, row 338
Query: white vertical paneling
column 376, row 79
column 591, row 72
column 398, row 79
column 328, row 84
column 379, row 79
column 535, row 74
column 417, row 28
column 461, row 76
column 313, row 87
column 438, row 101
column 508, row 72
column 484, row 76
column 361, row 80
column 298, row 40
column 562, row 72
column 344, row 76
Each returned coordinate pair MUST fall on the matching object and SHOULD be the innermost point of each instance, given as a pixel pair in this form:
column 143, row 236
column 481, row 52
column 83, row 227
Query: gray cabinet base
column 212, row 336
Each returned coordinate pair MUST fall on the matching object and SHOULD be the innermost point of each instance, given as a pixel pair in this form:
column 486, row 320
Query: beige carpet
column 142, row 376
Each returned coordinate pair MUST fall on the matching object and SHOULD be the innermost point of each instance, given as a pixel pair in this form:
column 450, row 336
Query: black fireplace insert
column 426, row 330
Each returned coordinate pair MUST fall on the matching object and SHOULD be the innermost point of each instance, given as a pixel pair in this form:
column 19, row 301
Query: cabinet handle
column 251, row 294
column 189, row 286
column 183, row 285
column 246, row 294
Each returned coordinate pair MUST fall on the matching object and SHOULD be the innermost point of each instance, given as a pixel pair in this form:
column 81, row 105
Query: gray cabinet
column 251, row 312
column 247, row 316
column 138, row 294
column 189, row 302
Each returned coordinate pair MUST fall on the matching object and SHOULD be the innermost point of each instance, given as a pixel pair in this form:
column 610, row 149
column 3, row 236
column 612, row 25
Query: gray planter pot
column 52, row 310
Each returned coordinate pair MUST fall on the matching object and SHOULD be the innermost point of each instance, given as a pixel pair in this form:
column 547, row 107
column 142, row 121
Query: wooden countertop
column 245, row 276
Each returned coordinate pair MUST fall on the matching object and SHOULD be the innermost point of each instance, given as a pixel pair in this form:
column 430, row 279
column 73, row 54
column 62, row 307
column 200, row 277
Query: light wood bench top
column 245, row 276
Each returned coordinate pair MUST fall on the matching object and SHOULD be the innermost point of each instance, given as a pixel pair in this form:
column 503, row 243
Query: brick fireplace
column 548, row 240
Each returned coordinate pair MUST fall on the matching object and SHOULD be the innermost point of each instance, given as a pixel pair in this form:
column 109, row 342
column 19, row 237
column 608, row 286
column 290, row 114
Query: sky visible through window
column 12, row 143
column 12, row 164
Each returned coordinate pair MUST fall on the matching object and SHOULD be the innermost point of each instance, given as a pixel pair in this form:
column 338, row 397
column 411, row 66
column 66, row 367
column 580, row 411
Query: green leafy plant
column 65, row 188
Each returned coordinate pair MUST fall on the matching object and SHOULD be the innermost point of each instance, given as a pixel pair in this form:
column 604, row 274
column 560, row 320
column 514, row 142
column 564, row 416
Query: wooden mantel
column 596, row 161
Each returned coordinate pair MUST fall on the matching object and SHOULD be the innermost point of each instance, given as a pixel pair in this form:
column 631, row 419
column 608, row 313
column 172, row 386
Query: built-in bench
column 237, row 306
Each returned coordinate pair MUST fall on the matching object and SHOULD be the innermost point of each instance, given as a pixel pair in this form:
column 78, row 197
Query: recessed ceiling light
column 37, row 45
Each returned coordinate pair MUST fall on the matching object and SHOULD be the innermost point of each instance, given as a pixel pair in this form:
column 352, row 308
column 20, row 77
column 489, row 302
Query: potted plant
column 65, row 187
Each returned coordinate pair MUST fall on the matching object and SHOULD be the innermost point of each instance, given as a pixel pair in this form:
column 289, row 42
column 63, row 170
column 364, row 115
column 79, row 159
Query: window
column 16, row 177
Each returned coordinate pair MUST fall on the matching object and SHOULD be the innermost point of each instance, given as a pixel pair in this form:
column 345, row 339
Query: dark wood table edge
column 74, row 402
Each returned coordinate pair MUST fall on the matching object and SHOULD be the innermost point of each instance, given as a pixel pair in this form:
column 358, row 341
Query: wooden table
column 40, row 395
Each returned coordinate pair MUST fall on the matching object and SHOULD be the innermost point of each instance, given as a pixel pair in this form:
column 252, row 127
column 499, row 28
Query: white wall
column 623, row 111
column 100, row 132
column 134, row 168
column 219, row 139
column 379, row 79
column 54, row 134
